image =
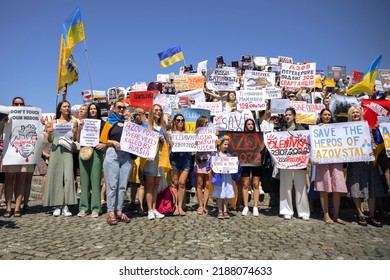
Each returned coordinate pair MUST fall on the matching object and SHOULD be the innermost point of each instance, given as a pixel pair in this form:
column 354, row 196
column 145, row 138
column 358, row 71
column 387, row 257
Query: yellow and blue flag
column 170, row 56
column 368, row 82
column 67, row 69
column 73, row 29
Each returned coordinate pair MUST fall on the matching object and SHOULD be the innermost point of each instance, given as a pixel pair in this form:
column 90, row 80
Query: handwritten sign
column 295, row 76
column 341, row 142
column 223, row 79
column 90, row 132
column 253, row 100
column 206, row 139
column 289, row 149
column 254, row 80
column 23, row 136
column 184, row 142
column 142, row 99
column 166, row 101
column 196, row 94
column 188, row 82
column 224, row 165
column 247, row 146
column 214, row 107
column 279, row 105
column 233, row 121
column 139, row 141
column 384, row 129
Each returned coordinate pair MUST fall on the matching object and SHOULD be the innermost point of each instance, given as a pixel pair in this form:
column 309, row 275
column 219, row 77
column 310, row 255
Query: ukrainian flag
column 170, row 56
column 67, row 69
column 368, row 82
column 73, row 29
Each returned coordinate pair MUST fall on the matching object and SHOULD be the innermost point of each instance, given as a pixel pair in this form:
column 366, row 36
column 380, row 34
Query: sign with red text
column 307, row 113
column 206, row 140
column 188, row 82
column 247, row 146
column 139, row 141
column 214, row 107
column 184, row 142
column 253, row 100
column 292, row 75
column 289, row 149
column 23, row 136
column 224, row 165
column 341, row 142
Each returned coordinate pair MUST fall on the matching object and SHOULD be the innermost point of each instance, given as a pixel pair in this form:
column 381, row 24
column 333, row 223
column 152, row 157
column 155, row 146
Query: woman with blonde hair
column 363, row 181
column 152, row 169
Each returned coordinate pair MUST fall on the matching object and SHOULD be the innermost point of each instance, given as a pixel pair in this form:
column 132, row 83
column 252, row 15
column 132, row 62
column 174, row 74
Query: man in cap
column 139, row 116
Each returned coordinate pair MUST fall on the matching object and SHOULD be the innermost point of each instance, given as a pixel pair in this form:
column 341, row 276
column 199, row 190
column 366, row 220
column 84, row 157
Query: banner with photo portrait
column 339, row 105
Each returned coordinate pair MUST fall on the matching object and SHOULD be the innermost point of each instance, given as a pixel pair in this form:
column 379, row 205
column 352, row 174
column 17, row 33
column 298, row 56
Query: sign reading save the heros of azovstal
column 289, row 149
column 294, row 76
column 23, row 136
column 224, row 165
column 184, row 142
column 341, row 142
column 139, row 141
column 89, row 132
column 223, row 79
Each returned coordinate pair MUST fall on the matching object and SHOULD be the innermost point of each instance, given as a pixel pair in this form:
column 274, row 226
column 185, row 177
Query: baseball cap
column 138, row 111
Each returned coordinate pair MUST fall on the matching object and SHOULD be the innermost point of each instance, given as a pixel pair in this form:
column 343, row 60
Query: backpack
column 166, row 201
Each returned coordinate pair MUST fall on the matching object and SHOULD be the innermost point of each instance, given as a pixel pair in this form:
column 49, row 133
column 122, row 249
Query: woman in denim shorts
column 180, row 163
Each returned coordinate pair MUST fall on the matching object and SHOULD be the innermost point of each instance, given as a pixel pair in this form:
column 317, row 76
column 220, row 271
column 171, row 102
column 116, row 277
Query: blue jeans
column 117, row 166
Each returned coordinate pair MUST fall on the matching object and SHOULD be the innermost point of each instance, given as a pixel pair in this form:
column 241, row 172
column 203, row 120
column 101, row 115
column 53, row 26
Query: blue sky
column 124, row 37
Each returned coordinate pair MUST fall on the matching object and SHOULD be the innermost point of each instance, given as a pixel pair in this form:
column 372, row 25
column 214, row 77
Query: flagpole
column 86, row 58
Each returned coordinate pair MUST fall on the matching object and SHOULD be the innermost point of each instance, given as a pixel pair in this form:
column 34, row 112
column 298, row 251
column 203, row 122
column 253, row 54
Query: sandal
column 7, row 214
column 329, row 222
column 362, row 222
column 200, row 211
column 226, row 215
column 340, row 221
column 372, row 221
column 220, row 215
column 17, row 214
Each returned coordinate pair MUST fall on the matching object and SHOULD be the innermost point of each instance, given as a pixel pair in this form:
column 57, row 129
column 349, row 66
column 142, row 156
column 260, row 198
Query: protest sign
column 90, row 132
column 372, row 108
column 337, row 72
column 247, row 146
column 163, row 78
column 63, row 129
column 224, row 165
column 190, row 116
column 166, row 101
column 384, row 76
column 306, row 113
column 284, row 59
column 139, row 141
column 273, row 92
column 223, row 79
column 23, row 136
column 196, row 95
column 142, row 99
column 289, row 149
column 139, row 86
column 298, row 75
column 254, row 80
column 188, row 82
column 184, row 142
column 357, row 77
column 279, row 105
column 384, row 129
column 339, row 105
column 341, row 142
column 206, row 140
column 233, row 121
column 115, row 93
column 214, row 107
column 48, row 117
column 378, row 86
column 253, row 100
column 329, row 83
column 4, row 111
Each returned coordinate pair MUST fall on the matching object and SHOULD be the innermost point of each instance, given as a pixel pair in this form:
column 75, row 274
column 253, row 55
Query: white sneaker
column 57, row 212
column 255, row 211
column 245, row 211
column 305, row 218
column 287, row 217
column 158, row 214
column 151, row 215
column 66, row 212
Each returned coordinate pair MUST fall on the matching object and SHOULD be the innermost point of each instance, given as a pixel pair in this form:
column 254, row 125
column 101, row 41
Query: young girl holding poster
column 222, row 183
column 329, row 178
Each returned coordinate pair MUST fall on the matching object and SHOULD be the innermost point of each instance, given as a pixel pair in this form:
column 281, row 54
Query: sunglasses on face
column 157, row 110
column 18, row 104
column 120, row 107
column 179, row 120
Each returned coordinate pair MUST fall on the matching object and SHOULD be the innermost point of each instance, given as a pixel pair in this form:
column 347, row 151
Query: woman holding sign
column 60, row 191
column 117, row 165
column 293, row 177
column 153, row 169
column 329, row 178
column 363, row 180
column 180, row 163
column 91, row 163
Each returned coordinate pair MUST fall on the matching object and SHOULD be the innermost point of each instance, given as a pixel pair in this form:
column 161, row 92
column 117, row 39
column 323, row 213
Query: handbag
column 86, row 153
column 67, row 143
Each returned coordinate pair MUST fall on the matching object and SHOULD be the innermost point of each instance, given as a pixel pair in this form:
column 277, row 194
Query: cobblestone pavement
column 39, row 235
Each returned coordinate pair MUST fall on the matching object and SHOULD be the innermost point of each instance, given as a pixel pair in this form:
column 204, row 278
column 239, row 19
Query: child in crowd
column 222, row 183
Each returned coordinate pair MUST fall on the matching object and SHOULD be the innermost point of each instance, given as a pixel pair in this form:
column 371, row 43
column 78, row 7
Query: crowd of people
column 122, row 170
